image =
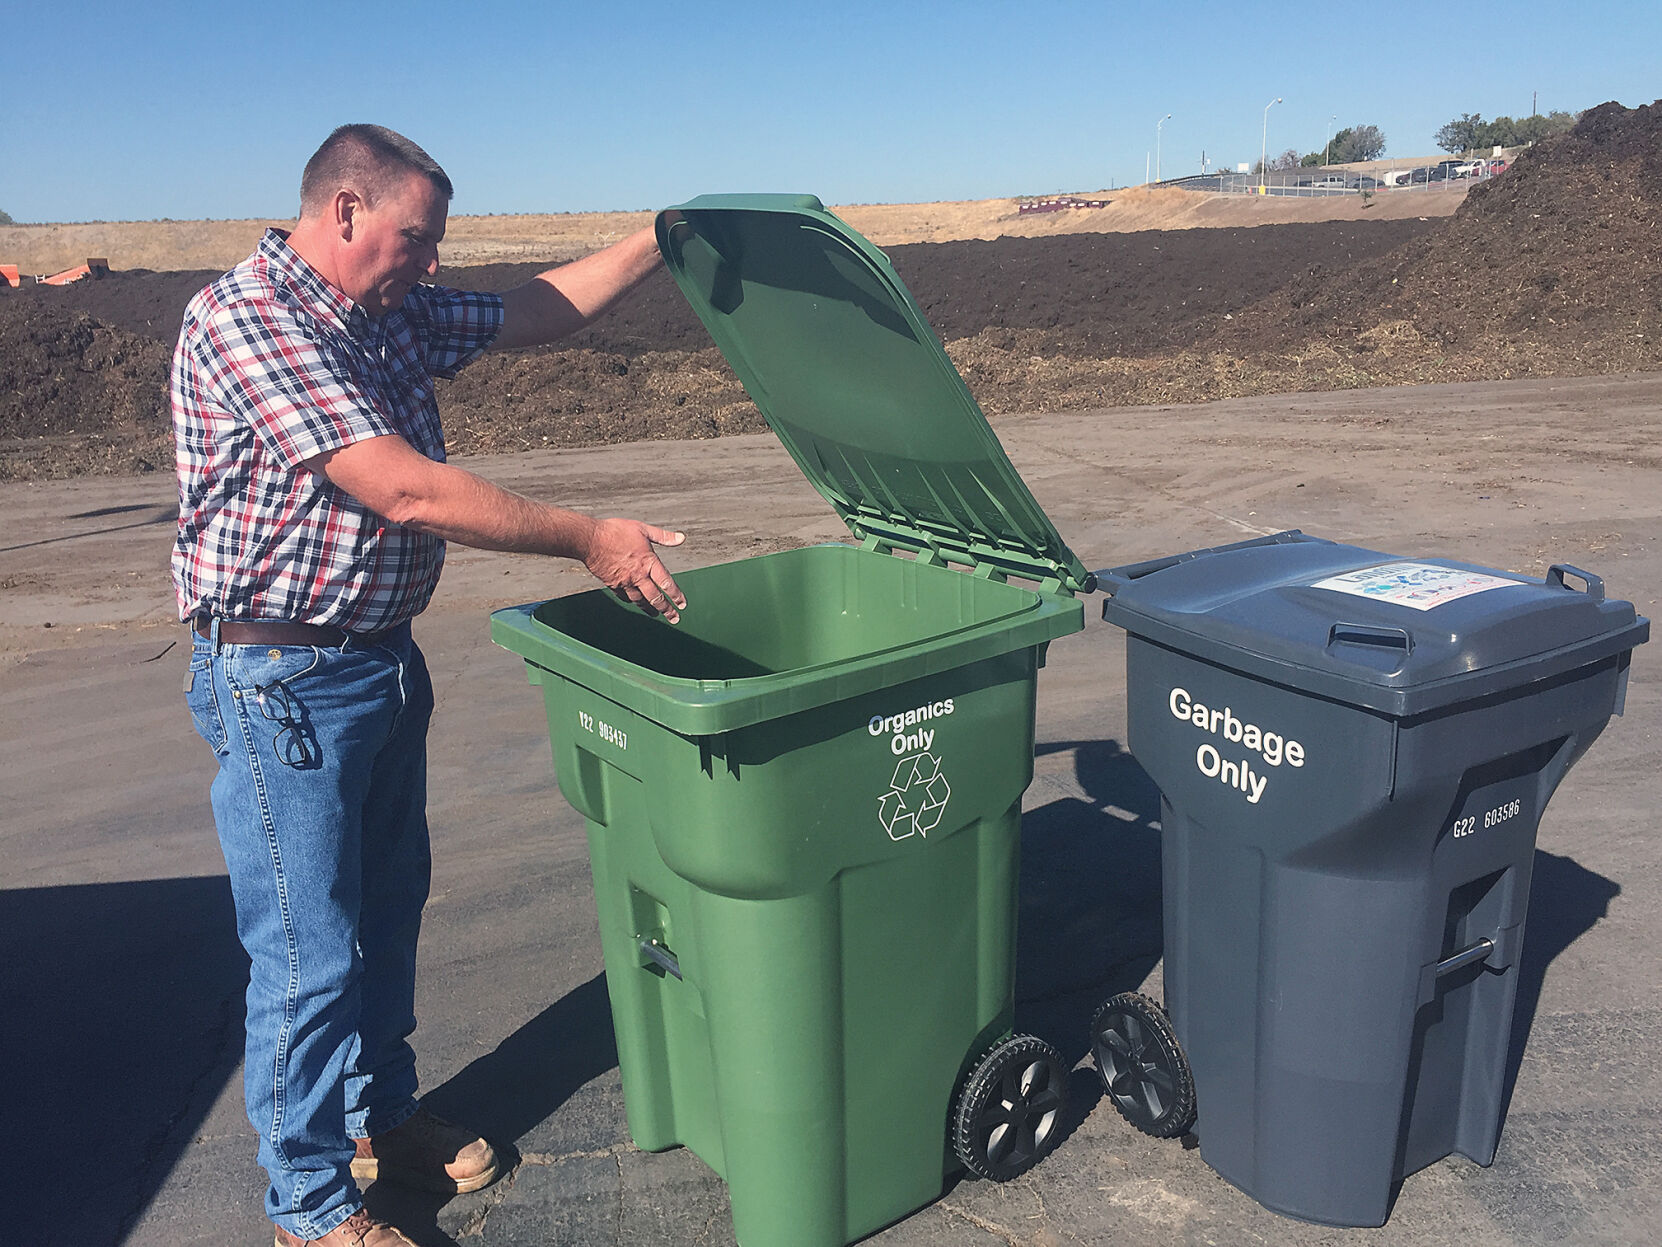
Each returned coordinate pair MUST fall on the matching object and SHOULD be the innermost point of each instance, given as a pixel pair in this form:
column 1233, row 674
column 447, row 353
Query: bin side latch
column 1468, row 956
column 660, row 956
column 1465, row 957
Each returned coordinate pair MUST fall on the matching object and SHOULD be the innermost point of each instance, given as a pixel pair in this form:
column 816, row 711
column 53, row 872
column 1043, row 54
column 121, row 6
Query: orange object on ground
column 9, row 273
column 67, row 276
column 92, row 268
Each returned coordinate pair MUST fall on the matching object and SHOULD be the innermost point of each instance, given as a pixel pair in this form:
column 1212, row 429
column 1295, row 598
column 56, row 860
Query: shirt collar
column 311, row 288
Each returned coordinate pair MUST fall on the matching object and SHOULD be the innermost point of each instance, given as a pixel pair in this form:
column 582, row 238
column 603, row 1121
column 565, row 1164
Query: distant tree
column 1362, row 143
column 1350, row 144
column 1337, row 146
column 1470, row 132
column 1284, row 163
column 1462, row 134
column 5, row 219
column 1534, row 129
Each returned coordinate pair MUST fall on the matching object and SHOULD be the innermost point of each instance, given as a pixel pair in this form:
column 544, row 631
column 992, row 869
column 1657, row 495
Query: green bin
column 804, row 801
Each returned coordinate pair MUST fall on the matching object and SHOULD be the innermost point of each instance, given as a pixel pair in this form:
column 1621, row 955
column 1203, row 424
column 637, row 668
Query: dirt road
column 92, row 554
column 113, row 879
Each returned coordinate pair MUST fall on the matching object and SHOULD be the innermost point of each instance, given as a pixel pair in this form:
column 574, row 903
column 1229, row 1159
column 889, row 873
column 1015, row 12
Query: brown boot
column 358, row 1230
column 426, row 1151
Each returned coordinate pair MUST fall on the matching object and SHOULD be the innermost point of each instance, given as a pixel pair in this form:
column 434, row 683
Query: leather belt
column 281, row 632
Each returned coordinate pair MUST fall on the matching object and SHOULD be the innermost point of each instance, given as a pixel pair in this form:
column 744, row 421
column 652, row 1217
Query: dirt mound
column 1113, row 292
column 78, row 395
column 137, row 301
column 1127, row 294
column 647, row 370
column 1553, row 267
column 551, row 238
column 522, row 400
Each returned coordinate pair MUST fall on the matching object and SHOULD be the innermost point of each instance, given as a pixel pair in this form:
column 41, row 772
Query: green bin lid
column 842, row 364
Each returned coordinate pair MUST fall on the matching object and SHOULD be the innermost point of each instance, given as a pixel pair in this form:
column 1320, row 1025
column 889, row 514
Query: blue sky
column 123, row 111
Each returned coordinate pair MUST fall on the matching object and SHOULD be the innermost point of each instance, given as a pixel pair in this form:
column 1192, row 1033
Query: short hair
column 367, row 159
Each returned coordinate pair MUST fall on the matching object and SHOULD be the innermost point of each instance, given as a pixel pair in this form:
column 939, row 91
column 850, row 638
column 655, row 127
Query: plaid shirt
column 274, row 366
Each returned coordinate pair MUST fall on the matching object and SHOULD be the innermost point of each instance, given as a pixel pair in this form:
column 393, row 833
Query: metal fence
column 1322, row 181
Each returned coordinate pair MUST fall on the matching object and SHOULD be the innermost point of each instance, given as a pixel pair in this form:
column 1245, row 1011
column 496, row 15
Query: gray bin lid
column 1402, row 636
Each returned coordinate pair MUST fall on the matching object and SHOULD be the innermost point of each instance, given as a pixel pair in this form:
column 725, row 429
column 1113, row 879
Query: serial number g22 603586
column 1467, row 825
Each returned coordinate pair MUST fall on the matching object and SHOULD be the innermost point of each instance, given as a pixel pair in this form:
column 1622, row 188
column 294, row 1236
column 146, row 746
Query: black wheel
column 1142, row 1065
column 1010, row 1109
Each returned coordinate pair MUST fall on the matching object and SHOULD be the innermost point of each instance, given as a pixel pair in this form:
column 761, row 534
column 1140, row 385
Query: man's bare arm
column 563, row 300
column 398, row 483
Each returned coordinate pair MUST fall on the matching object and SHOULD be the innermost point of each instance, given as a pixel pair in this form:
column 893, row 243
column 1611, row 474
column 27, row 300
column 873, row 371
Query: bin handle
column 1371, row 634
column 1555, row 580
column 1466, row 956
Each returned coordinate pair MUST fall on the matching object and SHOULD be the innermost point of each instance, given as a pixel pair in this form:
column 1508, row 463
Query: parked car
column 1335, row 181
column 1470, row 168
column 1363, row 183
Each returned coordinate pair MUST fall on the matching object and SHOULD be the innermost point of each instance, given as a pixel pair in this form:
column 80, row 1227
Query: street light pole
column 1157, row 126
column 1264, row 149
column 1327, row 148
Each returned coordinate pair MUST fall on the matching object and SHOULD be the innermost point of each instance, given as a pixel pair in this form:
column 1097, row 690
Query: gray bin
column 1354, row 752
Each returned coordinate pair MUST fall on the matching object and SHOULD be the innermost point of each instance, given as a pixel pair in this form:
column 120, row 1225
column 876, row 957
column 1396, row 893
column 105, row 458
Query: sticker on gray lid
column 1420, row 586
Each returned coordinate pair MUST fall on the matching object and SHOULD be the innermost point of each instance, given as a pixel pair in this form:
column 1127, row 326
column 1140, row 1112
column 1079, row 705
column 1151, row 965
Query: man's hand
column 620, row 554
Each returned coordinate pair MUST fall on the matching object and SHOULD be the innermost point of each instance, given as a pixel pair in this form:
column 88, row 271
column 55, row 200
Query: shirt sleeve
column 453, row 326
column 293, row 383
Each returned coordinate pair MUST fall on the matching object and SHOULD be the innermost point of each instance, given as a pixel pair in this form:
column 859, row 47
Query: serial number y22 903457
column 611, row 735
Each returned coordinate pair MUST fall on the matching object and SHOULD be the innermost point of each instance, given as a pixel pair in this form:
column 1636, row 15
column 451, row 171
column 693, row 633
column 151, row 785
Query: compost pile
column 1552, row 268
column 78, row 395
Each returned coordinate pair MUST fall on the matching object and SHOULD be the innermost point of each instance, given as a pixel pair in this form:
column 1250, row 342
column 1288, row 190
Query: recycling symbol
column 916, row 798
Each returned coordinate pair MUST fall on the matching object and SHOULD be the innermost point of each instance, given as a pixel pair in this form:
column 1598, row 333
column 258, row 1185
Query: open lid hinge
column 981, row 568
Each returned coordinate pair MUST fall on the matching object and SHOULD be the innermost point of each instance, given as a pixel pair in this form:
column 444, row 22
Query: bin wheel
column 1009, row 1112
column 1142, row 1066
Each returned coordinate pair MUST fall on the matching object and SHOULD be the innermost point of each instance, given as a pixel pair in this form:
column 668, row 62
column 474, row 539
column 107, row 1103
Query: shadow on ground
column 1566, row 900
column 123, row 1021
column 506, row 1094
column 123, row 1006
column 1089, row 925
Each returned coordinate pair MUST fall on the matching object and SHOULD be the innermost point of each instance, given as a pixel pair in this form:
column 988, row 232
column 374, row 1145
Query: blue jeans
column 321, row 804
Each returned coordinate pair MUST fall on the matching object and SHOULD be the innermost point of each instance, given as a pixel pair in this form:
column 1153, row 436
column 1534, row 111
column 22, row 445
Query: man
column 315, row 504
